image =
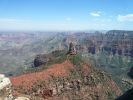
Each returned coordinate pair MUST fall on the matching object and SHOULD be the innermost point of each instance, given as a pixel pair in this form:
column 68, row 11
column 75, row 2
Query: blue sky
column 66, row 14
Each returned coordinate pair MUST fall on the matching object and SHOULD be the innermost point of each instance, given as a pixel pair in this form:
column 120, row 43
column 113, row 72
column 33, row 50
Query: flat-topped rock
column 22, row 98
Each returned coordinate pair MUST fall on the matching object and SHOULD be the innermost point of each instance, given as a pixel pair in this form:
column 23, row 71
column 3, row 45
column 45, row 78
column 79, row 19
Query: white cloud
column 95, row 14
column 125, row 18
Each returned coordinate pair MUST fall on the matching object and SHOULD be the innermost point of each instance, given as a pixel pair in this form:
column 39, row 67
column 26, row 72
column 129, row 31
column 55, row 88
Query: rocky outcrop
column 5, row 88
column 41, row 59
column 22, row 98
column 44, row 59
column 50, row 58
column 72, row 49
column 131, row 72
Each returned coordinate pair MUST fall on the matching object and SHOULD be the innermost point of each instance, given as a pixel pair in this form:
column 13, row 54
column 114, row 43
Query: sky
column 66, row 14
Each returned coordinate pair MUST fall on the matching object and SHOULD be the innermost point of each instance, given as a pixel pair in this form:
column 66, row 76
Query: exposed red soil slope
column 27, row 80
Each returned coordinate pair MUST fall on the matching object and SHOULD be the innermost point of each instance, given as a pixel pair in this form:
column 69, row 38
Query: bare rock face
column 5, row 88
column 40, row 59
column 22, row 98
column 44, row 59
column 72, row 49
column 131, row 72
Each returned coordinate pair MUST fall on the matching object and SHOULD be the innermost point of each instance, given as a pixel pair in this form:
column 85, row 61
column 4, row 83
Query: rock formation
column 46, row 59
column 72, row 78
column 5, row 88
column 72, row 49
column 131, row 72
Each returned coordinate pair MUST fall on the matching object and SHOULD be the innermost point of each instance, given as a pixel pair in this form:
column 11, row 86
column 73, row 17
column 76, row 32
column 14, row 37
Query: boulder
column 22, row 98
column 5, row 88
